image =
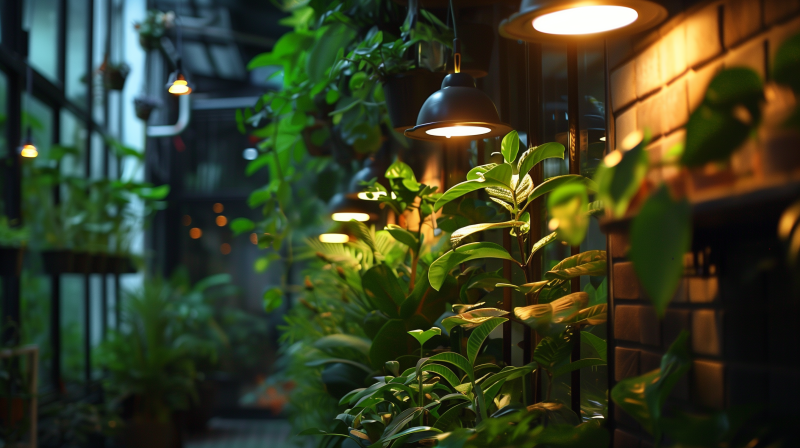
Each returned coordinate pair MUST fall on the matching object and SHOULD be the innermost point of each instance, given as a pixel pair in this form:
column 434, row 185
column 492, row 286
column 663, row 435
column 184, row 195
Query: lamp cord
column 456, row 42
column 453, row 14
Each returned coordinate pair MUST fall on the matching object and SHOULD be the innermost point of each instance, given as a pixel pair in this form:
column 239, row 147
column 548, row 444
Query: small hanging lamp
column 177, row 83
column 459, row 109
column 345, row 208
column 546, row 20
column 27, row 148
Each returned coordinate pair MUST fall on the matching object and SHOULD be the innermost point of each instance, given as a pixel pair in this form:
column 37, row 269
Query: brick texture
column 623, row 86
column 672, row 52
column 675, row 321
column 708, row 384
column 702, row 36
column 650, row 114
column 626, row 362
column 648, row 71
column 619, row 244
column 625, row 124
column 626, row 284
column 623, row 439
column 779, row 10
column 698, row 81
column 707, row 332
column 626, row 322
column 649, row 327
column 703, row 289
column 676, row 106
column 750, row 55
column 742, row 19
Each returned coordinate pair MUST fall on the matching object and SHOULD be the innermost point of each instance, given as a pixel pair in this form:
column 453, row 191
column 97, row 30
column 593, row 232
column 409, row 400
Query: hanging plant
column 114, row 75
column 153, row 28
column 144, row 105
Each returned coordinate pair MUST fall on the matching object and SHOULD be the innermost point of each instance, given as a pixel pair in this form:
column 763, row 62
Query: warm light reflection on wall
column 254, row 238
column 221, row 220
column 585, row 20
column 195, row 233
column 334, row 238
column 218, row 208
column 186, row 220
column 345, row 217
column 225, row 248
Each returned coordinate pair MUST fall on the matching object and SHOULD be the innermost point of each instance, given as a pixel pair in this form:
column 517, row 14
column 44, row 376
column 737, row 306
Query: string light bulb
column 28, row 149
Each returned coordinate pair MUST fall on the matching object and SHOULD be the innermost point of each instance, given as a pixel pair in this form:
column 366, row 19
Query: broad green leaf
column 594, row 315
column 598, row 344
column 643, row 397
column 486, row 281
column 478, row 172
column 343, row 340
column 527, row 288
column 391, row 342
column 557, row 415
column 350, row 395
column 509, row 373
column 531, row 157
column 524, row 188
column 456, row 360
column 552, row 350
column 592, row 262
column 383, row 289
column 479, row 335
column 660, row 234
column 318, row 432
column 320, row 362
column 423, row 336
column 550, row 318
column 579, row 364
column 363, row 233
column 323, row 53
column 501, row 175
column 417, row 429
column 622, row 181
column 712, row 135
column 460, row 190
column 472, row 319
column 393, row 367
column 542, row 243
column 402, row 235
column 442, row 266
column 272, row 299
column 510, row 146
column 464, row 232
column 736, row 86
column 241, row 225
column 450, row 417
column 567, row 205
column 715, row 429
column 443, row 371
column 554, row 182
column 399, row 421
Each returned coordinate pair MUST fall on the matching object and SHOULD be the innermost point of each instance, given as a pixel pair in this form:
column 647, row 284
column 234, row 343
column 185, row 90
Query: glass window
column 37, row 193
column 73, row 356
column 111, row 310
column 97, row 156
column 3, row 111
column 38, row 116
column 99, row 58
column 76, row 51
column 35, row 317
column 96, row 326
column 40, row 19
column 73, row 134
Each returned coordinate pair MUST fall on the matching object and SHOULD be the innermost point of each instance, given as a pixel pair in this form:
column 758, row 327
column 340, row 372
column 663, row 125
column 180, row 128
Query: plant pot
column 11, row 259
column 406, row 93
column 198, row 415
column 149, row 42
column 144, row 107
column 114, row 79
column 477, row 42
column 140, row 433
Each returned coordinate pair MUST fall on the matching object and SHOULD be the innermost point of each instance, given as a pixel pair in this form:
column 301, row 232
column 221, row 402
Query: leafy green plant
column 12, row 236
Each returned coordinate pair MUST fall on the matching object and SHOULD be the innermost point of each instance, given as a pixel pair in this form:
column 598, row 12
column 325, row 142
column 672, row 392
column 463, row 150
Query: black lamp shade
column 520, row 25
column 458, row 103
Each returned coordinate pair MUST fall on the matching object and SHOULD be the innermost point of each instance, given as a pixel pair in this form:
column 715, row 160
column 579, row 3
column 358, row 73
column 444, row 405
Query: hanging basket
column 406, row 93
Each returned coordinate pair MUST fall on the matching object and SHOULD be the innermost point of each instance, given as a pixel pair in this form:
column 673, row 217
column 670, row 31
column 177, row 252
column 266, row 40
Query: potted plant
column 151, row 365
column 12, row 247
column 144, row 105
column 114, row 75
column 153, row 28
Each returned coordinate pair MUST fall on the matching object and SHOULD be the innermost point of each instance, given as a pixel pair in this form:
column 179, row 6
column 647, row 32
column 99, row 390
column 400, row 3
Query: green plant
column 12, row 236
column 153, row 28
column 151, row 360
column 71, row 425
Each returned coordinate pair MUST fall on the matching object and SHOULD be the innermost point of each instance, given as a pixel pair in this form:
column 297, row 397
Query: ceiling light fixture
column 459, row 109
column 543, row 20
column 345, row 208
column 177, row 83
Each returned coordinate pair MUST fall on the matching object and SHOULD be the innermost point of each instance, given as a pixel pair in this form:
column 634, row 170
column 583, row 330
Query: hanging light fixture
column 334, row 238
column 459, row 109
column 177, row 84
column 542, row 20
column 345, row 208
column 27, row 148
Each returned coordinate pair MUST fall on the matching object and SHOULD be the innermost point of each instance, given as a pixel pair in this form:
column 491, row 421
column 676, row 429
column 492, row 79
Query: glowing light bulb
column 613, row 158
column 458, row 131
column 334, row 238
column 345, row 217
column 28, row 150
column 585, row 20
column 180, row 87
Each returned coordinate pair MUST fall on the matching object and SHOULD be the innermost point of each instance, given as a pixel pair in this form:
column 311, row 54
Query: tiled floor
column 230, row 433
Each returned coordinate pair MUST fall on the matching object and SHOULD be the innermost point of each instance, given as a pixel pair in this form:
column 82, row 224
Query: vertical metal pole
column 87, row 165
column 505, row 65
column 573, row 109
column 610, row 342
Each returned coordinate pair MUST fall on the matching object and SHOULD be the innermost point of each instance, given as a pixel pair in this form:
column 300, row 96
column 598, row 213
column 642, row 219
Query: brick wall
column 740, row 353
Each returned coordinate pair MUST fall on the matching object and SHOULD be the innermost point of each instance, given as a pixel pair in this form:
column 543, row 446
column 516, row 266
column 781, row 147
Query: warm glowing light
column 585, row 20
column 187, row 220
column 632, row 140
column 254, row 238
column 553, row 224
column 29, row 151
column 225, row 248
column 345, row 217
column 195, row 233
column 221, row 220
column 602, row 139
column 218, row 208
column 335, row 238
column 613, row 158
column 180, row 87
column 458, row 131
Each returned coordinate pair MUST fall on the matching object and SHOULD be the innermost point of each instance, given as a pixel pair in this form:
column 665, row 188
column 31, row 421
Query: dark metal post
column 610, row 342
column 573, row 109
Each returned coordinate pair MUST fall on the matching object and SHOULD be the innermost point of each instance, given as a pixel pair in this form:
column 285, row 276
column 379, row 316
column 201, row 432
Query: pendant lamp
column 27, row 148
column 345, row 208
column 459, row 109
column 547, row 20
column 177, row 84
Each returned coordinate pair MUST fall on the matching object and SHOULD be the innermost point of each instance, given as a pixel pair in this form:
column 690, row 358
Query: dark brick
column 707, row 332
column 746, row 385
column 626, row 363
column 674, row 322
column 740, row 345
column 619, row 244
column 783, row 392
column 626, row 322
column 649, row 361
column 623, row 418
column 708, row 384
column 626, row 285
column 649, row 327
column 623, row 439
